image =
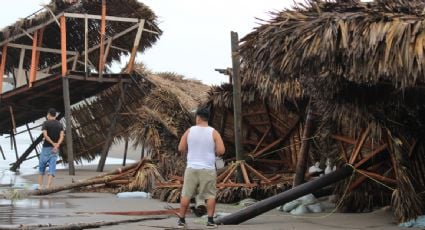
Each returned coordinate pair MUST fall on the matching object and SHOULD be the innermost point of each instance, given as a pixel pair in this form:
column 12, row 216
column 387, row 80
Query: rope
column 371, row 178
column 283, row 148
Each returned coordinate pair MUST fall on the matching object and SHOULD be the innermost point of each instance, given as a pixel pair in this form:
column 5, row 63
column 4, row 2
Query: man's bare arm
column 183, row 143
column 219, row 145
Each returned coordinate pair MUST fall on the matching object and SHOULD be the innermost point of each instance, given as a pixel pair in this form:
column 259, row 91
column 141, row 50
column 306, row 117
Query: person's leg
column 42, row 166
column 190, row 183
column 52, row 169
column 211, row 207
column 40, row 181
column 208, row 189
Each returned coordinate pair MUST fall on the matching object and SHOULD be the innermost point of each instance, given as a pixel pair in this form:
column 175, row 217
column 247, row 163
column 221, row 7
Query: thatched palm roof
column 75, row 30
column 365, row 43
column 362, row 65
column 156, row 115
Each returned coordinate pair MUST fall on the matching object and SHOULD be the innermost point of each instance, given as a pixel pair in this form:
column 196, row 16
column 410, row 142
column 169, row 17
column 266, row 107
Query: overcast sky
column 196, row 35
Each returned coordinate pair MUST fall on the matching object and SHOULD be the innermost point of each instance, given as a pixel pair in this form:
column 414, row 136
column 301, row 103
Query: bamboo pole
column 2, row 66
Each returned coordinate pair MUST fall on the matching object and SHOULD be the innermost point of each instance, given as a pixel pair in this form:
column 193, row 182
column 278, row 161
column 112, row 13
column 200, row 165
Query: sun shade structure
column 69, row 43
column 361, row 66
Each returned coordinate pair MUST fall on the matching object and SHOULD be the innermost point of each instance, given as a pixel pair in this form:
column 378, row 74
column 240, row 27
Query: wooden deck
column 26, row 104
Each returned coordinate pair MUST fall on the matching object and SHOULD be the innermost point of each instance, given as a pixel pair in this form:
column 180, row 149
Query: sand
column 66, row 207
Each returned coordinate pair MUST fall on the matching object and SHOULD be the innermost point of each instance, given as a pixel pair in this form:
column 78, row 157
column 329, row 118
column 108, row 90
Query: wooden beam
column 261, row 140
column 42, row 49
column 30, row 30
column 39, row 44
column 124, row 32
column 378, row 177
column 27, row 152
column 99, row 17
column 135, row 47
column 108, row 47
column 86, row 42
column 63, row 46
column 245, row 174
column 12, row 117
column 371, row 155
column 258, row 174
column 359, row 145
column 2, row 66
column 125, row 151
column 21, row 78
column 74, row 64
column 33, row 69
column 102, row 40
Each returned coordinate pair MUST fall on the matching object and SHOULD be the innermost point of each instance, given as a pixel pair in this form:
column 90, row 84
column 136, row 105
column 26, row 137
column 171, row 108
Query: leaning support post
column 284, row 197
column 33, row 68
column 303, row 153
column 135, row 46
column 27, row 152
column 15, row 147
column 109, row 137
column 2, row 66
column 237, row 104
column 125, row 151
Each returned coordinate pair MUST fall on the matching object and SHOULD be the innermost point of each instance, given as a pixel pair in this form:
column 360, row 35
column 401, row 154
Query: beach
column 74, row 207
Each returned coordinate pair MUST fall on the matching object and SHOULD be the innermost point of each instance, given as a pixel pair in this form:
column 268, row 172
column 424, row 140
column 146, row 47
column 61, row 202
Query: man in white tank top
column 201, row 143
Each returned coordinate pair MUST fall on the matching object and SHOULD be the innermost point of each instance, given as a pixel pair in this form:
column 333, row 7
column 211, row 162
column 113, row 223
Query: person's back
column 201, row 148
column 53, row 128
column 201, row 143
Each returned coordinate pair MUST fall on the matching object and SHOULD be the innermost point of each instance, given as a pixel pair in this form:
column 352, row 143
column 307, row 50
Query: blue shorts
column 48, row 157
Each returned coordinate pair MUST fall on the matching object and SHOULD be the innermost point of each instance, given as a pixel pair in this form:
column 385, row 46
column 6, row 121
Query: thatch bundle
column 361, row 65
column 154, row 115
column 75, row 30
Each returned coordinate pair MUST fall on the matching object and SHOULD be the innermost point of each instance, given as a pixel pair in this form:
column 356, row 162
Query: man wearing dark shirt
column 53, row 136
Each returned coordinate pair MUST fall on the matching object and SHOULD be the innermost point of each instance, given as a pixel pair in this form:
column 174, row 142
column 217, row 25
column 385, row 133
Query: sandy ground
column 66, row 208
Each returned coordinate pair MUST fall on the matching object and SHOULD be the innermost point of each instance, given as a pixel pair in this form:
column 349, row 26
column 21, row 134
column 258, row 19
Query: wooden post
column 12, row 135
column 2, row 66
column 125, row 151
column 63, row 46
column 68, row 132
column 2, row 153
column 102, row 40
column 39, row 44
column 135, row 46
column 237, row 104
column 27, row 152
column 66, row 99
column 86, row 43
column 32, row 140
column 109, row 138
column 21, row 78
column 33, row 68
column 303, row 153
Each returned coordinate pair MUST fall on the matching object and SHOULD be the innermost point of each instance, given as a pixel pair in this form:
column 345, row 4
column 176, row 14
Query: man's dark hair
column 203, row 113
column 52, row 112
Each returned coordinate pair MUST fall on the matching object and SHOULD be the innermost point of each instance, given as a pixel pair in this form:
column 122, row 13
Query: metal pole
column 236, row 95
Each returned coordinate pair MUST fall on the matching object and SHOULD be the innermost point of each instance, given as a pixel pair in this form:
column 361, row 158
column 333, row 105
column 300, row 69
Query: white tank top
column 201, row 148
